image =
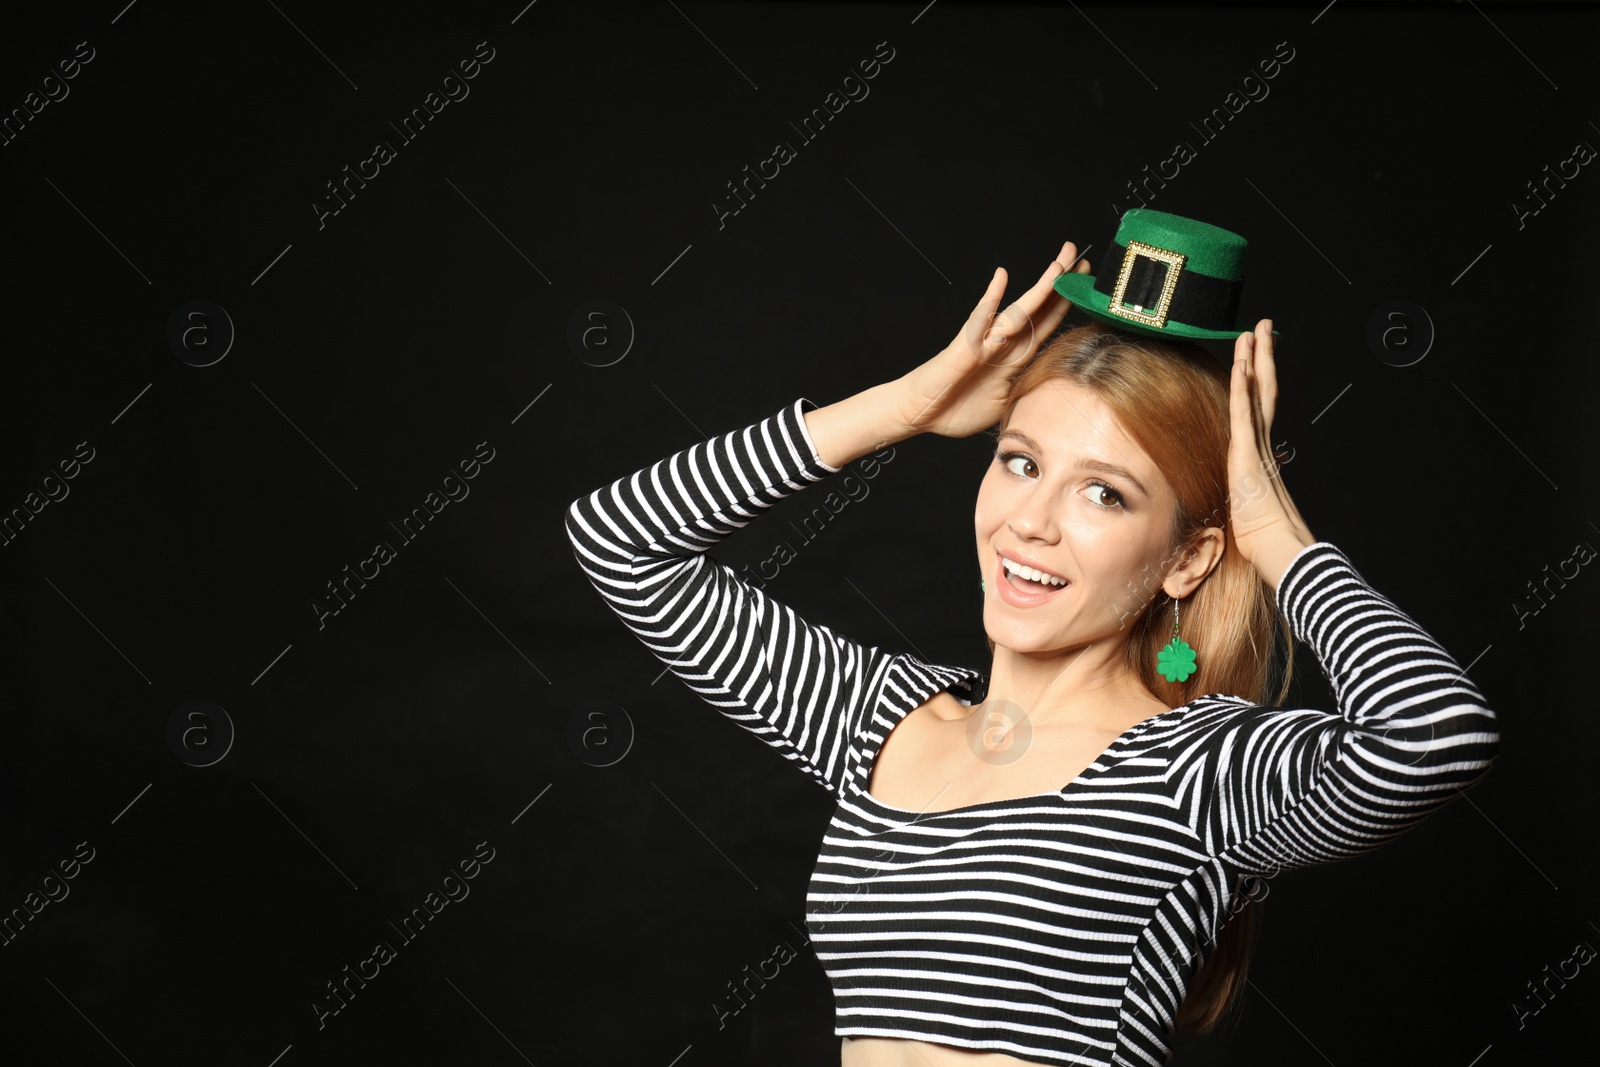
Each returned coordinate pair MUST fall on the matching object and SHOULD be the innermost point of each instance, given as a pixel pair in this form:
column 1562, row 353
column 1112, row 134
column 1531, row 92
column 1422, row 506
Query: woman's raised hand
column 1267, row 527
column 963, row 389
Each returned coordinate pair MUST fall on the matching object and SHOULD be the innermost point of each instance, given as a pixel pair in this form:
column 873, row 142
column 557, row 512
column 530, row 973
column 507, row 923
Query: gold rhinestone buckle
column 1157, row 316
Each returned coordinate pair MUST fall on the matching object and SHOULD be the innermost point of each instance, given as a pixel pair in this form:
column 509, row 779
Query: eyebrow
column 1087, row 463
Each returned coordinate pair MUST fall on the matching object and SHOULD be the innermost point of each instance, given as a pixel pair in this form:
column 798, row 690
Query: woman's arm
column 642, row 541
column 847, row 430
column 1295, row 787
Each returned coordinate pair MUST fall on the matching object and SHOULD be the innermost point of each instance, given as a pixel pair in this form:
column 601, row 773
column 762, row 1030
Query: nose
column 1033, row 518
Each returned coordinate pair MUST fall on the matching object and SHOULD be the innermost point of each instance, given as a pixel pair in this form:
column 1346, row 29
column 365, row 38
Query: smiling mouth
column 1027, row 586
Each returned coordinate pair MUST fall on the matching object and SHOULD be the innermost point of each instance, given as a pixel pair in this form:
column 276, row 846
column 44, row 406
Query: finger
column 1054, row 315
column 973, row 334
column 1058, row 266
column 1039, row 310
column 1005, row 330
column 1262, row 356
column 1040, row 296
column 1044, row 308
column 1266, row 369
column 1000, row 329
column 1265, row 376
column 1042, row 304
column 1255, row 446
column 995, row 293
column 1241, row 417
column 1258, row 409
column 1044, row 288
column 1064, row 258
column 1244, row 446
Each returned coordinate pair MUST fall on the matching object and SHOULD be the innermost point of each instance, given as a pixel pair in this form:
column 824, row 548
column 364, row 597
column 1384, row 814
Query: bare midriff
column 900, row 1052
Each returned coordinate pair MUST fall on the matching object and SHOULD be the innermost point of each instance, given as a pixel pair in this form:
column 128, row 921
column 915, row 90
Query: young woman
column 968, row 907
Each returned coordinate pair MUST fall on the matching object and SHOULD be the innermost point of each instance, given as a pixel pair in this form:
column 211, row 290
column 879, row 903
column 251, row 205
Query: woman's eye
column 1116, row 497
column 1008, row 458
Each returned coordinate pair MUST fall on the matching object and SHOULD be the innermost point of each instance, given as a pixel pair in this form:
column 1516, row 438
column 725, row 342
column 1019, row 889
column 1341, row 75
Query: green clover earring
column 1176, row 661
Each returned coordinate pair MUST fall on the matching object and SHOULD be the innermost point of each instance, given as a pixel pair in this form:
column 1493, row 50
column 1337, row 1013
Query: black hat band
column 1200, row 300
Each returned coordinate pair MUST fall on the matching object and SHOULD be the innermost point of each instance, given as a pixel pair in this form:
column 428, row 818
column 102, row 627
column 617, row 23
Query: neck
column 1087, row 685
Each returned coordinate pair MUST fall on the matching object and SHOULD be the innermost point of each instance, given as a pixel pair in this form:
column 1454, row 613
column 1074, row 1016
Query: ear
column 1196, row 561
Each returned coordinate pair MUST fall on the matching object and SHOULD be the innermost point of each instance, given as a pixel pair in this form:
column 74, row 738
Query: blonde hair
column 1171, row 397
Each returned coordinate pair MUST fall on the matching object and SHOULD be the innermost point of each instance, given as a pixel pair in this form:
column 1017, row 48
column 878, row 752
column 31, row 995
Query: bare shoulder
column 919, row 739
column 944, row 706
column 921, row 724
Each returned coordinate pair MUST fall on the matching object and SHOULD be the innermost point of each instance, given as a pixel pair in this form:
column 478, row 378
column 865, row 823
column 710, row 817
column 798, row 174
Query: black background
column 377, row 350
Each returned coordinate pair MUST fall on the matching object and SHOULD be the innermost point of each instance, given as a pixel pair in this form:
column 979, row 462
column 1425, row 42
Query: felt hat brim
column 1079, row 288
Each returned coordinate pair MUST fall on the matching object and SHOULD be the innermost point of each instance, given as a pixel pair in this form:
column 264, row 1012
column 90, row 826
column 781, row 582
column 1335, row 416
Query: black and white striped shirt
column 1064, row 927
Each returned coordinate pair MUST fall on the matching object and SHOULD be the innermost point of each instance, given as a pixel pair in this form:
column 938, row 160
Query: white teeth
column 1029, row 572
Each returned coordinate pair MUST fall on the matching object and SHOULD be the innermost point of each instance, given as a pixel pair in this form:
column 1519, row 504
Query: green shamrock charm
column 1176, row 661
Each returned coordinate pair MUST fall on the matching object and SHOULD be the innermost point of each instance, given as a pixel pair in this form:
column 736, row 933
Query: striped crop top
column 1061, row 928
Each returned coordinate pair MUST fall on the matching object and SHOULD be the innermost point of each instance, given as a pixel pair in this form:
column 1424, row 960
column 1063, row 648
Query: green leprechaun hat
column 1165, row 276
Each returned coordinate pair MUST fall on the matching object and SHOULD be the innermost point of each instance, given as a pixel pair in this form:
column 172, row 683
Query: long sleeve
column 1301, row 787
column 642, row 541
